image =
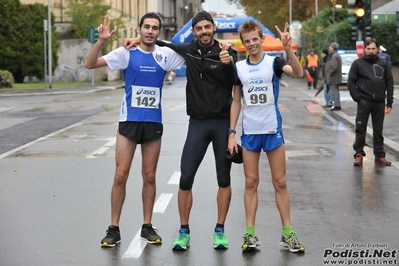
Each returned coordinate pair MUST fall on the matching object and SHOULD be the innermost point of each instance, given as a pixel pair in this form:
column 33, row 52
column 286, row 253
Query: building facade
column 174, row 13
column 72, row 53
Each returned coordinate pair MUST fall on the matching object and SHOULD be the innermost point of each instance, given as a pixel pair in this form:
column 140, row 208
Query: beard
column 205, row 43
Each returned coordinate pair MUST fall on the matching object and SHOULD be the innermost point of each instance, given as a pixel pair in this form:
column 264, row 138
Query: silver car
column 347, row 60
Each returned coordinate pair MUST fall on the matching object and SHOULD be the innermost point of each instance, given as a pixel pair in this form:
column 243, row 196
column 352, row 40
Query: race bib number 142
column 145, row 97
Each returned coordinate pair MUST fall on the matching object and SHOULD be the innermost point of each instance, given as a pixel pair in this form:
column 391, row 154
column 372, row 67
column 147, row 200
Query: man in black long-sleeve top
column 370, row 84
column 210, row 78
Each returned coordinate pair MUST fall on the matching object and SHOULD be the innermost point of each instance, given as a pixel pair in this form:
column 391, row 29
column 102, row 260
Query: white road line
column 325, row 152
column 396, row 164
column 174, row 179
column 79, row 137
column 111, row 142
column 178, row 107
column 162, row 202
column 5, row 109
column 299, row 153
column 286, row 141
column 137, row 245
column 38, row 140
column 135, row 248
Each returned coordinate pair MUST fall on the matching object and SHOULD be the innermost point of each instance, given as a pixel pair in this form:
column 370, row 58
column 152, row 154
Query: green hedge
column 6, row 79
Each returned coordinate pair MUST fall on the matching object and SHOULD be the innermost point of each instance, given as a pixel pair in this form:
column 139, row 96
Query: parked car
column 347, row 60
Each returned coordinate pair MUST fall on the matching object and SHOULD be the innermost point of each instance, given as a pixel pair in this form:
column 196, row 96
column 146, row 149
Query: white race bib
column 258, row 94
column 145, row 97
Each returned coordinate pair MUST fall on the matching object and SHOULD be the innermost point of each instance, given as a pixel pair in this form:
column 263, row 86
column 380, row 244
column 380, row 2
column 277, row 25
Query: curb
column 55, row 92
column 388, row 143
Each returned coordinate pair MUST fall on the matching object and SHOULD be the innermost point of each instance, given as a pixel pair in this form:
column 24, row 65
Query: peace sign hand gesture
column 285, row 36
column 103, row 29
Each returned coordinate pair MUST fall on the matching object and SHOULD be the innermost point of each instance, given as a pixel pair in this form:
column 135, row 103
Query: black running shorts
column 140, row 132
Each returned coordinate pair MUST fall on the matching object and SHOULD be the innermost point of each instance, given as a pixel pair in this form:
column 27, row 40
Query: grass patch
column 40, row 85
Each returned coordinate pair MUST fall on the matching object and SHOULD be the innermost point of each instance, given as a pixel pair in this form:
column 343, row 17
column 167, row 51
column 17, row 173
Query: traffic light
column 96, row 34
column 354, row 34
column 92, row 35
column 351, row 20
column 367, row 32
column 355, row 12
column 397, row 22
column 367, row 13
column 359, row 13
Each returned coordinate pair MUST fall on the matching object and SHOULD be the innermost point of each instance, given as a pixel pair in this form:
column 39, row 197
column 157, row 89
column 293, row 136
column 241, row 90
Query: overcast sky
column 221, row 6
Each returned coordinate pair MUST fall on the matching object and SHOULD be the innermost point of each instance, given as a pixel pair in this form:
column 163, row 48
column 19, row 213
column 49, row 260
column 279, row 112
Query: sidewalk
column 349, row 110
column 81, row 88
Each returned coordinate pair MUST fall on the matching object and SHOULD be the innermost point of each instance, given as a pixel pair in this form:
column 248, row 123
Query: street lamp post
column 50, row 72
column 290, row 12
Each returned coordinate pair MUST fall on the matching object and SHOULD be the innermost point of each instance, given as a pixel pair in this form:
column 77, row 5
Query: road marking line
column 162, row 202
column 38, row 140
column 174, row 179
column 177, row 107
column 325, row 152
column 137, row 245
column 5, row 109
column 299, row 153
column 111, row 142
column 135, row 248
column 79, row 137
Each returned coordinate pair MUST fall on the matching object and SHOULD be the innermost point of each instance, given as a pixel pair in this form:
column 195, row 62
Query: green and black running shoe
column 250, row 242
column 219, row 239
column 183, row 240
column 291, row 242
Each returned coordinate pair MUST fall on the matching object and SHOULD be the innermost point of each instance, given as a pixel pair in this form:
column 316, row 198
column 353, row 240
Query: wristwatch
column 231, row 131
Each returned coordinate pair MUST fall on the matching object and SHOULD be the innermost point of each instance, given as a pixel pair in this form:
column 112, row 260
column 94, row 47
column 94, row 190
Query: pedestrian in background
column 326, row 90
column 333, row 75
column 370, row 84
column 302, row 60
column 312, row 68
column 140, row 119
column 382, row 53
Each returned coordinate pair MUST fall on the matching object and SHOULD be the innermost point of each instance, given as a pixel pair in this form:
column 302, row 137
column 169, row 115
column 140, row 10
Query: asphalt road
column 57, row 165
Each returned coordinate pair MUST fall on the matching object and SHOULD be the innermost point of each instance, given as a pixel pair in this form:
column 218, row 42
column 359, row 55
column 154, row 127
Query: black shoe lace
column 151, row 230
column 111, row 232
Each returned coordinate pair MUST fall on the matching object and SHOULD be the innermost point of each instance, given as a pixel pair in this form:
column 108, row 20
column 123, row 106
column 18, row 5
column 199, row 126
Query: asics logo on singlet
column 253, row 70
column 258, row 88
column 145, row 92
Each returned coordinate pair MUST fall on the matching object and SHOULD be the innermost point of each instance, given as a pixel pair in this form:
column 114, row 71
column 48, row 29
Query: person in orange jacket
column 312, row 68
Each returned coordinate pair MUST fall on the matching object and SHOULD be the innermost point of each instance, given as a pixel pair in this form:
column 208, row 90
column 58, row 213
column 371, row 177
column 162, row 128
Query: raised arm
column 294, row 69
column 93, row 60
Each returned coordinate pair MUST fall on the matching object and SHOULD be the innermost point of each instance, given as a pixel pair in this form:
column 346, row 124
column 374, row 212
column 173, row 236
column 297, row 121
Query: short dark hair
column 370, row 41
column 202, row 15
column 150, row 15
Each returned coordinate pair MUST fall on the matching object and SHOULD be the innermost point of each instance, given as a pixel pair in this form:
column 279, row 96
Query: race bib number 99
column 145, row 97
column 258, row 94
